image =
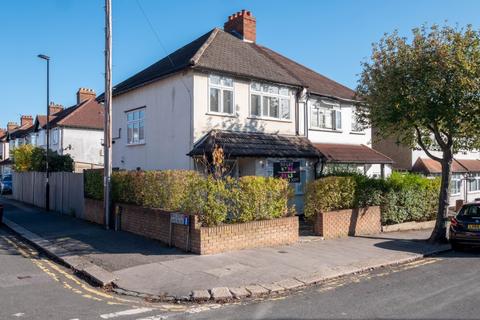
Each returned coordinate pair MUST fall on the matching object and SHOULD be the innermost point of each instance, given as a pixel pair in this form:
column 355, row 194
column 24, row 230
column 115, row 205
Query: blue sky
column 331, row 37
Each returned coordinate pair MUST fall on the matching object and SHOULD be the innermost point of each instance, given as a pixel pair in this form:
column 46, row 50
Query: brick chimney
column 242, row 25
column 12, row 126
column 55, row 108
column 85, row 94
column 24, row 120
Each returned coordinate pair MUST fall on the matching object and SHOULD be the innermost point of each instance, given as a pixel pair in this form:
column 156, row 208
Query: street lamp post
column 47, row 184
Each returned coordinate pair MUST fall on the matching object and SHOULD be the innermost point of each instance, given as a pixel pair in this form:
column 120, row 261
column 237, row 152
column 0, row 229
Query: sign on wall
column 179, row 218
column 287, row 169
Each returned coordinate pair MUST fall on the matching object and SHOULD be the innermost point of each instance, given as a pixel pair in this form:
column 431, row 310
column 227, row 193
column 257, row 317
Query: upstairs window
column 136, row 126
column 356, row 126
column 55, row 136
column 269, row 101
column 326, row 115
column 221, row 95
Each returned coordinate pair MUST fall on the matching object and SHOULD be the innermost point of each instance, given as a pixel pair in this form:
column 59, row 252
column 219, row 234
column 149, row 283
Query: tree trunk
column 439, row 234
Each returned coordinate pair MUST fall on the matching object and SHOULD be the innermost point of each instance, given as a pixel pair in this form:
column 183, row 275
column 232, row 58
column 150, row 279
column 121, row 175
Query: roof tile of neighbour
column 247, row 144
column 220, row 51
column 21, row 131
column 351, row 153
column 471, row 165
column 430, row 166
column 88, row 114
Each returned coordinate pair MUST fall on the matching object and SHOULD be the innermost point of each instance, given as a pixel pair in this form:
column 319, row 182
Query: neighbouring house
column 270, row 115
column 5, row 162
column 77, row 130
column 465, row 183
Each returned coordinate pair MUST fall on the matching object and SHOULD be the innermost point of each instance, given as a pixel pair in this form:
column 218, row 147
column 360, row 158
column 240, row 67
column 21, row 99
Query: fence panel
column 66, row 190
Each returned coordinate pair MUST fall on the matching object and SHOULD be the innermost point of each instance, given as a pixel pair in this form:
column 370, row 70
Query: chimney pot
column 25, row 120
column 243, row 25
column 55, row 108
column 12, row 126
column 85, row 94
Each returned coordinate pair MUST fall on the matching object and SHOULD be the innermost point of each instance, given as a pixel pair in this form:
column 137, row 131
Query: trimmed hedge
column 402, row 197
column 215, row 200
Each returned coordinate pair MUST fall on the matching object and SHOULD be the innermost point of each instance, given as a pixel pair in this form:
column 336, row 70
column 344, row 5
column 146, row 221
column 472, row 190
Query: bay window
column 269, row 101
column 474, row 182
column 136, row 126
column 325, row 115
column 220, row 95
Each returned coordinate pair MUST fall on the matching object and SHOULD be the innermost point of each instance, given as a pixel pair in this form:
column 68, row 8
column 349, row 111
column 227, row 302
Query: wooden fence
column 66, row 191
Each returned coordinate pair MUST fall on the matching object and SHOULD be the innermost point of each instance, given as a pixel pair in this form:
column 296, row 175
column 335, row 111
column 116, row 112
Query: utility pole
column 107, row 140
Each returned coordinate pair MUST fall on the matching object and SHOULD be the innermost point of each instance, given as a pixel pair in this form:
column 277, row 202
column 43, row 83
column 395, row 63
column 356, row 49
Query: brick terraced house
column 271, row 116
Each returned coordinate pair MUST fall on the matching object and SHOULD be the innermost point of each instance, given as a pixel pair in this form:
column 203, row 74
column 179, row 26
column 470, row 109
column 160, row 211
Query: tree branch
column 420, row 142
column 438, row 137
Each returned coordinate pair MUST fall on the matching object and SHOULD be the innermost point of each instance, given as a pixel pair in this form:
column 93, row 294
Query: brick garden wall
column 239, row 236
column 155, row 224
column 348, row 222
column 93, row 210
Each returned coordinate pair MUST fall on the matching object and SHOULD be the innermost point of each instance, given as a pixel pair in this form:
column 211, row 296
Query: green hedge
column 402, row 197
column 216, row 201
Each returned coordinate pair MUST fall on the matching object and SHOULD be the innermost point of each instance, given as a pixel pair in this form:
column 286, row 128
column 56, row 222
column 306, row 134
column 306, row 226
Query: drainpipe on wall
column 305, row 116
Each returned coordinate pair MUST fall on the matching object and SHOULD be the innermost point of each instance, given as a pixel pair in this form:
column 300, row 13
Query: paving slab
column 239, row 293
column 200, row 295
column 221, row 294
column 256, row 290
column 273, row 287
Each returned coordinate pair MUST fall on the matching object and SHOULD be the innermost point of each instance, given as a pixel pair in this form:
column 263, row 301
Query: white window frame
column 333, row 108
column 55, row 136
column 355, row 128
column 456, row 179
column 475, row 178
column 222, row 89
column 279, row 96
column 141, row 116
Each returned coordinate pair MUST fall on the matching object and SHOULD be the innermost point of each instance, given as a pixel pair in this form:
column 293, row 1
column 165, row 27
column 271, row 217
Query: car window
column 472, row 211
column 8, row 178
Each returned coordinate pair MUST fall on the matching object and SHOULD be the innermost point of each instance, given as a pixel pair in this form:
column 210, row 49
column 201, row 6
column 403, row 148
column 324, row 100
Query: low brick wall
column 93, row 210
column 252, row 234
column 405, row 226
column 348, row 222
column 155, row 224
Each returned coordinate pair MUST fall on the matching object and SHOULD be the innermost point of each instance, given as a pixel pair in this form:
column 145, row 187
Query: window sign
column 289, row 170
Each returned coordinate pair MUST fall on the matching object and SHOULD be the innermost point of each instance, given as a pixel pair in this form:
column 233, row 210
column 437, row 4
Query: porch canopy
column 250, row 144
column 351, row 153
column 430, row 166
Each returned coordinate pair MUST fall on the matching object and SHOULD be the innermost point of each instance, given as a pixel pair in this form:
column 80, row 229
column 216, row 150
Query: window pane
column 274, row 108
column 256, row 105
column 129, row 116
column 214, row 99
column 214, row 79
column 141, row 114
column 228, row 101
column 228, row 82
column 141, row 130
column 265, row 106
column 338, row 120
column 314, row 119
column 129, row 133
column 135, row 132
column 135, row 115
column 285, row 108
column 256, row 86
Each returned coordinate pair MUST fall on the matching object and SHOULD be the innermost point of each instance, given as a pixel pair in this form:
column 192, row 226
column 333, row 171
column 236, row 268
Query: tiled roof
column 21, row 131
column 430, row 166
column 248, row 144
column 472, row 165
column 88, row 114
column 220, row 51
column 350, row 153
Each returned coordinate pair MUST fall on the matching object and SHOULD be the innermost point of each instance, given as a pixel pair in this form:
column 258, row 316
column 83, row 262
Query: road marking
column 18, row 315
column 125, row 313
column 154, row 318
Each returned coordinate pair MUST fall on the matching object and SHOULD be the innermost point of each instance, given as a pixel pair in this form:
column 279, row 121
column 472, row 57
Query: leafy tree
column 426, row 93
column 22, row 158
column 30, row 158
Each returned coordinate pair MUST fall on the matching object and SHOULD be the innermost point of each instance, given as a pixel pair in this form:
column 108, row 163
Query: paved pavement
column 440, row 287
column 33, row 287
column 146, row 266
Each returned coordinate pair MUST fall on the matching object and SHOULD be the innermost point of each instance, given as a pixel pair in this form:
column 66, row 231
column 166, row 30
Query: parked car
column 465, row 226
column 6, row 184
